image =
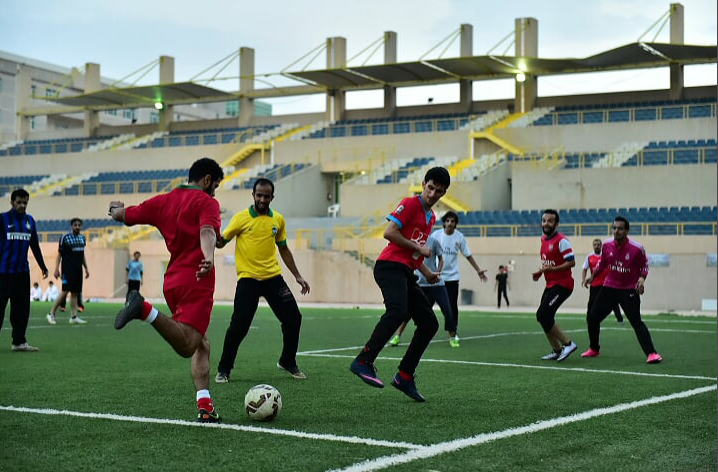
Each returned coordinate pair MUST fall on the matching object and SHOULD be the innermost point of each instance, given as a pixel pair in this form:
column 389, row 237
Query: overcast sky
column 124, row 36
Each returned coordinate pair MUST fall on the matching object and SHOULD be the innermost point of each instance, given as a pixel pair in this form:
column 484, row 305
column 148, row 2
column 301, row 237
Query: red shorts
column 191, row 307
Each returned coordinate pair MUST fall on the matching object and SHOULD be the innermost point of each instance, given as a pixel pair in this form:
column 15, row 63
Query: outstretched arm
column 479, row 272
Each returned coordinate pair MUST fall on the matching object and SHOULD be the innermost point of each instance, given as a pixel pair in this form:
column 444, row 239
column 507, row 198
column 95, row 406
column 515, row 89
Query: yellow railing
column 91, row 234
column 622, row 115
column 123, row 186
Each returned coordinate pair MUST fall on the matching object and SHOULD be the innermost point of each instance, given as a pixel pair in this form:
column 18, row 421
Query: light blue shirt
column 431, row 262
column 134, row 270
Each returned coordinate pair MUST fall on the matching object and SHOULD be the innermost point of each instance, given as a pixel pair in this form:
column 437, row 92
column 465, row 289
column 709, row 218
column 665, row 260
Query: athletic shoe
column 293, row 371
column 590, row 353
column 24, row 347
column 367, row 372
column 51, row 319
column 221, row 378
column 407, row 386
column 77, row 320
column 454, row 342
column 131, row 311
column 204, row 416
column 551, row 356
column 566, row 351
column 654, row 358
column 394, row 341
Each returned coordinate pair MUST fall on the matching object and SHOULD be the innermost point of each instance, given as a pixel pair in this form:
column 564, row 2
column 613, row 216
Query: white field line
column 529, row 366
column 515, row 333
column 234, row 427
column 455, row 445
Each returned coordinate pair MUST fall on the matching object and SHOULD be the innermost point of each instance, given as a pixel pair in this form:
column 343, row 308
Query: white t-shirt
column 35, row 294
column 50, row 294
column 452, row 245
column 432, row 262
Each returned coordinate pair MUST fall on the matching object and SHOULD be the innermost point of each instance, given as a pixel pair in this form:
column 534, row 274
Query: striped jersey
column 17, row 235
column 555, row 250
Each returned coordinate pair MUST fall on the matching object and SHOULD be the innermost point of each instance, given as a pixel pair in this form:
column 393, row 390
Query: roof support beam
column 676, row 90
column 526, row 46
column 92, row 84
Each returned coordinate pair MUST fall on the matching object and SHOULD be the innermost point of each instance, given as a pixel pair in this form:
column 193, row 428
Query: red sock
column 405, row 376
column 205, row 404
column 146, row 309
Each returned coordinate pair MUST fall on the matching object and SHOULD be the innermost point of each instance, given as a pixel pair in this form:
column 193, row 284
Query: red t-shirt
column 555, row 250
column 415, row 224
column 591, row 263
column 179, row 215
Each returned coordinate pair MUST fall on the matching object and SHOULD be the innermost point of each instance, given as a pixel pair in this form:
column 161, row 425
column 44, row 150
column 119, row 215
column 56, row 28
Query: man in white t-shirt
column 35, row 292
column 51, row 293
column 453, row 243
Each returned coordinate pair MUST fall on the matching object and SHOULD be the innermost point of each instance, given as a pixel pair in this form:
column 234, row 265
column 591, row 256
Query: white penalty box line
column 227, row 426
column 455, row 445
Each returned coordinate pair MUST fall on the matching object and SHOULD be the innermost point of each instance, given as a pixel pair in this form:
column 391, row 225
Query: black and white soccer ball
column 263, row 402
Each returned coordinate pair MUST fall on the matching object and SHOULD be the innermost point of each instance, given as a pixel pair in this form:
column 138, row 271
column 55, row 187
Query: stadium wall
column 337, row 277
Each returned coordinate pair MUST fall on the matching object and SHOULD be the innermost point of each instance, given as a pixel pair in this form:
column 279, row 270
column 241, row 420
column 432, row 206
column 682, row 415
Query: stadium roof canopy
column 426, row 72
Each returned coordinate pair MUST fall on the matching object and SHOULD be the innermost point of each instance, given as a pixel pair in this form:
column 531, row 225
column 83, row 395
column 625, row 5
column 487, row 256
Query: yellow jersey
column 254, row 253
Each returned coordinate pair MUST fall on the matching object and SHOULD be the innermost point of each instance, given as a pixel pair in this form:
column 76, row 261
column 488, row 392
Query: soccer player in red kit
column 188, row 219
column 556, row 262
column 627, row 266
column 407, row 231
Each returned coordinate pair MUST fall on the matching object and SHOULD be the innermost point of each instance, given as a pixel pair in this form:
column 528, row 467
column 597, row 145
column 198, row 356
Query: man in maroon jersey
column 556, row 262
column 407, row 231
column 627, row 266
column 597, row 280
column 188, row 219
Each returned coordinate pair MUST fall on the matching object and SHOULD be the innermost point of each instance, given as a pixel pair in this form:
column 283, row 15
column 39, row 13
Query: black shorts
column 551, row 300
column 72, row 281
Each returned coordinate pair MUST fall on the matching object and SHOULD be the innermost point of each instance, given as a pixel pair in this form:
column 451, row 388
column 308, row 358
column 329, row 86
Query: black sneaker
column 367, row 372
column 408, row 387
column 204, row 416
column 131, row 311
column 293, row 371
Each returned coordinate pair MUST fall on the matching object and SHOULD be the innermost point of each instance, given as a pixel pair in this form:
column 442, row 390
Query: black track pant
column 404, row 300
column 630, row 301
column 16, row 289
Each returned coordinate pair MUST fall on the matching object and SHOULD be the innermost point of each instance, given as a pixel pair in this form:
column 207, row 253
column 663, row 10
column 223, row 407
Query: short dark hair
column 205, row 166
column 597, row 239
column 549, row 211
column 438, row 175
column 72, row 221
column 450, row 214
column 19, row 192
column 501, row 267
column 621, row 218
column 262, row 181
column 136, row 252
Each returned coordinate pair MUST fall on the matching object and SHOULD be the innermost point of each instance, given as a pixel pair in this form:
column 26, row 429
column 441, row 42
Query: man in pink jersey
column 590, row 265
column 188, row 219
column 556, row 262
column 407, row 231
column 627, row 266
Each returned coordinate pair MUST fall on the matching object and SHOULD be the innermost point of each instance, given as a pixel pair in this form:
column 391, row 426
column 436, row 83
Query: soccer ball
column 263, row 402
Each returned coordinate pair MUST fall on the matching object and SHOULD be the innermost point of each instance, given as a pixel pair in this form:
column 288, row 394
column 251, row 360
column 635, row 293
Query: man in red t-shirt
column 590, row 264
column 188, row 219
column 407, row 231
column 556, row 262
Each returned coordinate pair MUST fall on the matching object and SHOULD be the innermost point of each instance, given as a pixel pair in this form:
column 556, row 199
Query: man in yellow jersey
column 258, row 229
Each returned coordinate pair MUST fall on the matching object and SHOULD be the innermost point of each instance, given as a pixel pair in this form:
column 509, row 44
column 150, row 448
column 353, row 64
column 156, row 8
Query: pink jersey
column 555, row 250
column 626, row 263
column 415, row 223
column 590, row 263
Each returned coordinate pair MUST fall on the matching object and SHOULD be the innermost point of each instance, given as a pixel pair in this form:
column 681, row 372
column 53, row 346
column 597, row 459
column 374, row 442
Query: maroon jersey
column 415, row 223
column 555, row 250
column 590, row 263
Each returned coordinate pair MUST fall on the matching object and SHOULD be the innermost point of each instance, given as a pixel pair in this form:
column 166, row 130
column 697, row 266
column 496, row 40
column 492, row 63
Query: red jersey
column 555, row 250
column 415, row 223
column 590, row 263
column 179, row 215
column 623, row 264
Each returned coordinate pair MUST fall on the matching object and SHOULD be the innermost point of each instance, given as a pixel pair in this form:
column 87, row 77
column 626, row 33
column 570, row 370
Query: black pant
column 452, row 288
column 592, row 292
column 246, row 299
column 438, row 294
column 16, row 288
column 63, row 303
column 133, row 285
column 404, row 300
column 630, row 301
column 551, row 300
column 502, row 291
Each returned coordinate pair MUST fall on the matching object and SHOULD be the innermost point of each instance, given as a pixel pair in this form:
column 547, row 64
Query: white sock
column 202, row 394
column 152, row 316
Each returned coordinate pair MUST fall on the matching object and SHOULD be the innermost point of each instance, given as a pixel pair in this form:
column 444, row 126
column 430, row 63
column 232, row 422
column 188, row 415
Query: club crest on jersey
column 274, row 230
column 550, row 247
column 626, row 256
column 399, row 209
column 27, row 225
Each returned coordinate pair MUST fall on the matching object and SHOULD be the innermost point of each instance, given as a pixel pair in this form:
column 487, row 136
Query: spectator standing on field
column 135, row 272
